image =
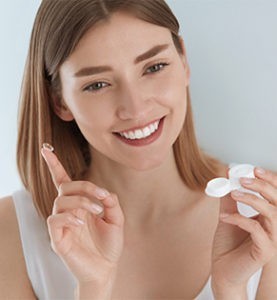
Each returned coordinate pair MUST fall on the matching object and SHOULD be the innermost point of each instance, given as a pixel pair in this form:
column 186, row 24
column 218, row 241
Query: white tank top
column 49, row 277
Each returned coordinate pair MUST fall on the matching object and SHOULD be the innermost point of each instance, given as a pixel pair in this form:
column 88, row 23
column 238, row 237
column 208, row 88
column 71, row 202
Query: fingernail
column 260, row 171
column 48, row 147
column 101, row 193
column 247, row 180
column 237, row 194
column 224, row 215
column 96, row 209
column 78, row 221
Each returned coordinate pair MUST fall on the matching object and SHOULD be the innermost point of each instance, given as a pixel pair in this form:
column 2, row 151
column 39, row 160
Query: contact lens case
column 221, row 186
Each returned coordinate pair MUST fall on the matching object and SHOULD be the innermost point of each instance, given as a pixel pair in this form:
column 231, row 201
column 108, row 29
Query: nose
column 133, row 105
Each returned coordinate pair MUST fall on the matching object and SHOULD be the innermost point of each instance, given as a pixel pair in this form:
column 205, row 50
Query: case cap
column 218, row 187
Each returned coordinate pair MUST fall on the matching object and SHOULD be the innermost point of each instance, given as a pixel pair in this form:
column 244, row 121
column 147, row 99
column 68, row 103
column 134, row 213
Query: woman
column 123, row 214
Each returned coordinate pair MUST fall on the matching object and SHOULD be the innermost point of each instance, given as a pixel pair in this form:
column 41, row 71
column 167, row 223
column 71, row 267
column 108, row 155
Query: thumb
column 227, row 203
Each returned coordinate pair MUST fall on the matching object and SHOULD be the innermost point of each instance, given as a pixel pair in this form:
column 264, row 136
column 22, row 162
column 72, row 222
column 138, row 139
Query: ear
column 184, row 59
column 61, row 109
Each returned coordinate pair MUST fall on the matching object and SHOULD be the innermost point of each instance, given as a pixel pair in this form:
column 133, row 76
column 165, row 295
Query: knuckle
column 263, row 184
column 67, row 217
column 80, row 212
column 114, row 196
column 52, row 244
column 256, row 225
column 60, row 178
column 57, row 203
column 273, row 215
column 114, row 199
column 271, row 250
column 251, row 197
column 85, row 186
column 61, row 189
column 83, row 201
column 272, row 177
column 54, row 247
column 122, row 218
column 50, row 220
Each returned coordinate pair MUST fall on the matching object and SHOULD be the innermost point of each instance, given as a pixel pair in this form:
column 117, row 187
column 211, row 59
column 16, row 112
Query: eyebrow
column 150, row 53
column 88, row 71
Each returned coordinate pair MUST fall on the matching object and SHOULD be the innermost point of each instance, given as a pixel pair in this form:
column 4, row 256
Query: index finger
column 57, row 171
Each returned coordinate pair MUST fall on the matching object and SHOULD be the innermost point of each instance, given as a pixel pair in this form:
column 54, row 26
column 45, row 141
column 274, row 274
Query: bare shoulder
column 223, row 169
column 14, row 281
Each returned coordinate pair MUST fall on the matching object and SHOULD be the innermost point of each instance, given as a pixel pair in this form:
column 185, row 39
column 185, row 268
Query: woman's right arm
column 89, row 242
column 14, row 281
column 100, row 291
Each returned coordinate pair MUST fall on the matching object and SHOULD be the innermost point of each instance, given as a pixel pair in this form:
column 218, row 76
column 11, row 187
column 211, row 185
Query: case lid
column 218, row 187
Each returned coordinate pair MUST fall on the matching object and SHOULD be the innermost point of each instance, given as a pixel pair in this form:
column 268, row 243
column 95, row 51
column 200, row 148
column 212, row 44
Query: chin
column 147, row 164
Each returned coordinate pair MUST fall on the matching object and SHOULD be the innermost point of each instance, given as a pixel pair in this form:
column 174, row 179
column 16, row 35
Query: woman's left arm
column 267, row 287
column 243, row 245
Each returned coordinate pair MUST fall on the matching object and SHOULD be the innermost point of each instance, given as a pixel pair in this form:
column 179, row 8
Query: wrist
column 229, row 292
column 96, row 289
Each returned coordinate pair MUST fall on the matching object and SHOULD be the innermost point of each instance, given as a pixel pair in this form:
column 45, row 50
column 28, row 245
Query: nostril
column 134, row 110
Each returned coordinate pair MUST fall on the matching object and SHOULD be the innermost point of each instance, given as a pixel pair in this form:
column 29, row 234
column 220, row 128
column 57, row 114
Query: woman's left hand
column 243, row 245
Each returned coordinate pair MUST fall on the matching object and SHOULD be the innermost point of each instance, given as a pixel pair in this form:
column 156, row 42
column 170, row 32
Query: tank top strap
column 49, row 277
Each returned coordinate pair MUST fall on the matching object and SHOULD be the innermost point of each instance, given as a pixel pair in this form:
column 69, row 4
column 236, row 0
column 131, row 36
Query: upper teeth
column 141, row 133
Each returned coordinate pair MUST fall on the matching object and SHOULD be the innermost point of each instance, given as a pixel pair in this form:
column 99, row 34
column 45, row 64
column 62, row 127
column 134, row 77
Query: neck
column 143, row 195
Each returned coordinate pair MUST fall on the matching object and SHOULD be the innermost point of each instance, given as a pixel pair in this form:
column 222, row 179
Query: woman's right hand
column 89, row 243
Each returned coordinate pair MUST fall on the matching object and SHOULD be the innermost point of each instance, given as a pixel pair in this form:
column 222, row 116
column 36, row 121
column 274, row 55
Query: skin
column 132, row 97
column 118, row 247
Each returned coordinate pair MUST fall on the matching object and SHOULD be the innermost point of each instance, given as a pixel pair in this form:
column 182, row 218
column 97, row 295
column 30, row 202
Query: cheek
column 93, row 121
column 174, row 93
column 175, row 89
column 172, row 87
column 86, row 110
column 91, row 124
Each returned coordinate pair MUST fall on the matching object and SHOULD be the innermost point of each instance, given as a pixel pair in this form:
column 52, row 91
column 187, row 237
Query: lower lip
column 144, row 141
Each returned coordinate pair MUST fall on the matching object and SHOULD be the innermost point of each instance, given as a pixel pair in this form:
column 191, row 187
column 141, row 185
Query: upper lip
column 140, row 126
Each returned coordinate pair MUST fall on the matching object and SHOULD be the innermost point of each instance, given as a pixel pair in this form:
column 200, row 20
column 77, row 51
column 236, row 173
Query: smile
column 142, row 136
column 141, row 133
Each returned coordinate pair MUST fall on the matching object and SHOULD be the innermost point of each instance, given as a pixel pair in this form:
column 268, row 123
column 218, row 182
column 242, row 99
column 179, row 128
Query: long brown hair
column 58, row 27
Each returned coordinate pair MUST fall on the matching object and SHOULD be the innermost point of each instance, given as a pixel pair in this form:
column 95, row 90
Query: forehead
column 123, row 34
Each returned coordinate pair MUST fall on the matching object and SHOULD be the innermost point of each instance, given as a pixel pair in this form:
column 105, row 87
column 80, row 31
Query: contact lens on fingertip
column 48, row 147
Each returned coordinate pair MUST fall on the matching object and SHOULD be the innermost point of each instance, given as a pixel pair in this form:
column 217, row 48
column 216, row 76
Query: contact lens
column 48, row 147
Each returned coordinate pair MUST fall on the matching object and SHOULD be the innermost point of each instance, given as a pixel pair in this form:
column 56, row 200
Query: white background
column 232, row 51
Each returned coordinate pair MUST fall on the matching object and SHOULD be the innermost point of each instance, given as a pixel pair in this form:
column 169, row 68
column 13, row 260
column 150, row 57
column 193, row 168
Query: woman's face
column 112, row 83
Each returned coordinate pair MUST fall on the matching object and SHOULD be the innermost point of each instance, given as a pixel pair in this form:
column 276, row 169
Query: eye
column 94, row 87
column 156, row 68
